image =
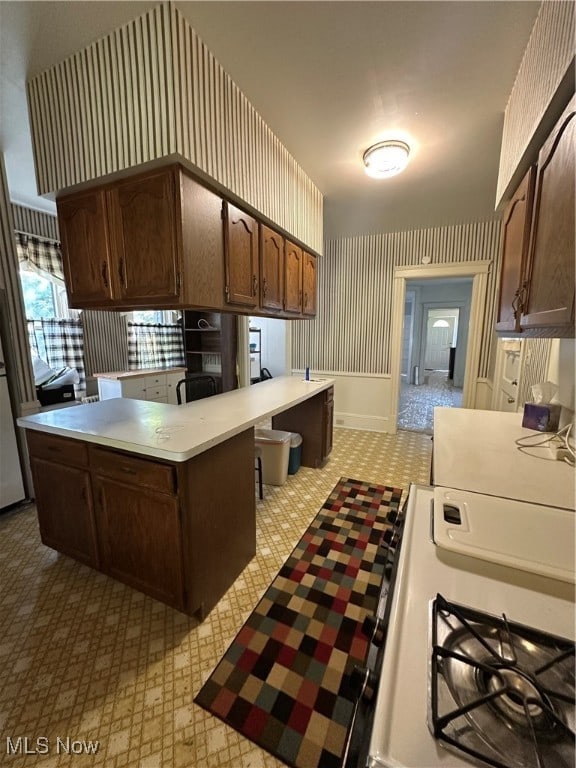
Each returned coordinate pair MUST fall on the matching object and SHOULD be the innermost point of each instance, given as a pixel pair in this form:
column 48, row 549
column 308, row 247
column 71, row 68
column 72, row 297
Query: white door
column 440, row 335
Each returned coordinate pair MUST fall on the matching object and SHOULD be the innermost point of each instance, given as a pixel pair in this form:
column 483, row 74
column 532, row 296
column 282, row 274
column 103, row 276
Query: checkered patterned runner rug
column 284, row 681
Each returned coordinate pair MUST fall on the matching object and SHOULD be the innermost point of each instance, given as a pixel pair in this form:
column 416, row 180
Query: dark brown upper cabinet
column 514, row 253
column 271, row 269
column 153, row 240
column 293, row 278
column 537, row 281
column 85, row 248
column 143, row 227
column 241, row 256
column 163, row 239
column 309, row 284
column 120, row 243
column 549, row 278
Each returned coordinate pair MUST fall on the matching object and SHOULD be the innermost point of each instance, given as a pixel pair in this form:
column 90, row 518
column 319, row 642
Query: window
column 44, row 299
column 154, row 316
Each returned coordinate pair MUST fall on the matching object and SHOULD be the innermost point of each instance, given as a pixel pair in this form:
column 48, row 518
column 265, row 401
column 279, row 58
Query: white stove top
column 400, row 735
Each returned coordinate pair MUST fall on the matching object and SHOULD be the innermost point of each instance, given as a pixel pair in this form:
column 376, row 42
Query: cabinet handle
column 305, row 301
column 128, row 470
column 518, row 304
column 121, row 270
column 511, row 400
column 105, row 273
column 514, row 382
column 254, row 285
column 264, row 286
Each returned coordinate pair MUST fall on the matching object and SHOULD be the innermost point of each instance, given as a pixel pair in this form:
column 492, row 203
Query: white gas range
column 475, row 664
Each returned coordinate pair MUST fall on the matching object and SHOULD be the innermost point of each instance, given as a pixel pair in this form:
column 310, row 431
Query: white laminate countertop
column 476, row 451
column 175, row 432
column 137, row 374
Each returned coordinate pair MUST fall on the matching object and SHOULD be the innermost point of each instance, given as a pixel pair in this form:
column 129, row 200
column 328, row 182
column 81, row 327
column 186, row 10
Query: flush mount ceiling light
column 386, row 159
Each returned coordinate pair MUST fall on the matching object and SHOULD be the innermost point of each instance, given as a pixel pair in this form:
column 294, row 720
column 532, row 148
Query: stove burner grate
column 501, row 689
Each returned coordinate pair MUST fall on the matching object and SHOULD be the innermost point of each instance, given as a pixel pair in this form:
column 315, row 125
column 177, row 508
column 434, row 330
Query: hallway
column 416, row 410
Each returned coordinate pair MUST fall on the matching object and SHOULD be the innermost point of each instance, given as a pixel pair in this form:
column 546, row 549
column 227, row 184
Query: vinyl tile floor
column 93, row 673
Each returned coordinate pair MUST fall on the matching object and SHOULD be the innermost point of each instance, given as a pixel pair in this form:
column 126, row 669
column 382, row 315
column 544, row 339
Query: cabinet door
column 85, row 248
column 309, row 284
column 293, row 278
column 241, row 256
column 271, row 268
column 144, row 233
column 65, row 511
column 550, row 274
column 139, row 534
column 514, row 252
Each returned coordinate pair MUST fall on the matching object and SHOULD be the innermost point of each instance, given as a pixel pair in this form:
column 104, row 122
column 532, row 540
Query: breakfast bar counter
column 160, row 496
column 177, row 433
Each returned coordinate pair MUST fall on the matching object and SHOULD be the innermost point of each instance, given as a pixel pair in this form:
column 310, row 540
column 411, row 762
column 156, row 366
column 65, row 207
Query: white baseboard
column 359, row 421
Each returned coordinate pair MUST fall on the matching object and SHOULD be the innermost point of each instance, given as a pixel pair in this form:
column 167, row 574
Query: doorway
column 434, row 331
column 406, row 355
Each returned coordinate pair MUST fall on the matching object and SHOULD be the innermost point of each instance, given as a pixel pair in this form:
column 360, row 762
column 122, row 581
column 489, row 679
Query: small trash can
column 416, row 375
column 275, row 445
column 295, row 453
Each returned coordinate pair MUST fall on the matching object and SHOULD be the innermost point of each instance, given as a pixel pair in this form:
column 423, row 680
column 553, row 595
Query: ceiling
column 330, row 79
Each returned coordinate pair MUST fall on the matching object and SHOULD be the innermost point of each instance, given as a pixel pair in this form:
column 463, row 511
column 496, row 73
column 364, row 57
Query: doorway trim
column 478, row 271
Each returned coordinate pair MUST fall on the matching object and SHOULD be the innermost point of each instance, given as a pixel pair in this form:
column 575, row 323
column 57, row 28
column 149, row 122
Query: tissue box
column 542, row 416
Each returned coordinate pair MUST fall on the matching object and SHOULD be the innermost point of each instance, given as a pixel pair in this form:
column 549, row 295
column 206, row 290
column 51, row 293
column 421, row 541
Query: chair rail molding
column 478, row 271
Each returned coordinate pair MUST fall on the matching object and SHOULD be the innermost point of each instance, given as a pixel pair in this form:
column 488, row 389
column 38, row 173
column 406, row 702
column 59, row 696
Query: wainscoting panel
column 152, row 89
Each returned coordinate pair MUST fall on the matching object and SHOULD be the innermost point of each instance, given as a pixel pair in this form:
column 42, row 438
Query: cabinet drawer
column 129, row 469
column 157, row 380
column 157, row 393
column 134, row 388
column 62, row 450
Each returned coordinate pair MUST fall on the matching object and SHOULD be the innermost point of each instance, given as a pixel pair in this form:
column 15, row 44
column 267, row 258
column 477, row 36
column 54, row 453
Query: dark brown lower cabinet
column 61, row 478
column 180, row 532
column 65, row 512
column 313, row 419
column 139, row 537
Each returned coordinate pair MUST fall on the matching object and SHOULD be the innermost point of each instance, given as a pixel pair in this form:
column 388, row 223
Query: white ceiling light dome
column 387, row 158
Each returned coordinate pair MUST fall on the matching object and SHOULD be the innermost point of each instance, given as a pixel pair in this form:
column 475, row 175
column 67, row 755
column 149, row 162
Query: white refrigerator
column 11, row 485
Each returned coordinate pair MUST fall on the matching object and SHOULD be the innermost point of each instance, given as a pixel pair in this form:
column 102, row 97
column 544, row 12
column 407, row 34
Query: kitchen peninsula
column 160, row 496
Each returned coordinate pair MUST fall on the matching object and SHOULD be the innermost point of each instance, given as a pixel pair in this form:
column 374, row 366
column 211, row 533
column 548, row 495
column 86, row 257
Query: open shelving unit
column 210, row 346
